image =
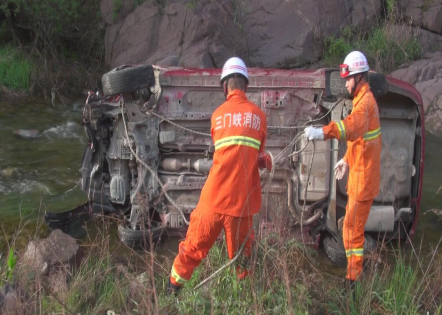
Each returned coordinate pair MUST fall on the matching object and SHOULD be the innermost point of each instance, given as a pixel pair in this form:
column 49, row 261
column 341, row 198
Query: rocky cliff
column 277, row 34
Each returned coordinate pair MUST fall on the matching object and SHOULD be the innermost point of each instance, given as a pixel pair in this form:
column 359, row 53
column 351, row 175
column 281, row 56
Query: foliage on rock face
column 118, row 6
column 390, row 46
column 57, row 34
column 387, row 44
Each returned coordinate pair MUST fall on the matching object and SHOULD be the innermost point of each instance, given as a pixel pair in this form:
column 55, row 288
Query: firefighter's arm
column 350, row 128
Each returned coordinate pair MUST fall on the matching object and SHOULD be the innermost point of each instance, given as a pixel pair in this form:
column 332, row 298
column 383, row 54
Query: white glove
column 313, row 133
column 340, row 169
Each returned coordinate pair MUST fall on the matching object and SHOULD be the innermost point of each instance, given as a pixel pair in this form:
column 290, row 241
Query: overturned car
column 150, row 151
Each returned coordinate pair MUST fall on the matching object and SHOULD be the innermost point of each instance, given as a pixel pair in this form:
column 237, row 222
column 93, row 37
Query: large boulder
column 426, row 76
column 12, row 300
column 424, row 13
column 205, row 33
column 59, row 250
column 429, row 41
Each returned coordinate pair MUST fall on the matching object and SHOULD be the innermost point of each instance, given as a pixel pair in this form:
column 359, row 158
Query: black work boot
column 172, row 289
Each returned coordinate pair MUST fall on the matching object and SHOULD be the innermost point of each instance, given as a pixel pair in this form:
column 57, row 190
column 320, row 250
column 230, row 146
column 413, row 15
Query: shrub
column 15, row 69
column 335, row 50
column 386, row 46
column 61, row 36
column 390, row 46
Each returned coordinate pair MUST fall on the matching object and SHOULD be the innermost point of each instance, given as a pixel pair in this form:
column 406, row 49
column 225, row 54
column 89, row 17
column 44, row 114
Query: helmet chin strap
column 353, row 90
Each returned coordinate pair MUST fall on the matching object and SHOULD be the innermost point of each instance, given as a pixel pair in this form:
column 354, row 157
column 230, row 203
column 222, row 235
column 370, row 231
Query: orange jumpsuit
column 232, row 192
column 362, row 131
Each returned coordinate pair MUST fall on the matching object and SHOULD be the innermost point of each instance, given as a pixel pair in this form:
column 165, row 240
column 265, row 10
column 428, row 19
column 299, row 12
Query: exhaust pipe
column 382, row 218
column 318, row 212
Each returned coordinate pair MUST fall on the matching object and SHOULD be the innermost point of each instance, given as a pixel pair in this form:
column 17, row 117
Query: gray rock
column 429, row 42
column 424, row 13
column 277, row 33
column 10, row 171
column 12, row 300
column 27, row 133
column 58, row 249
column 426, row 76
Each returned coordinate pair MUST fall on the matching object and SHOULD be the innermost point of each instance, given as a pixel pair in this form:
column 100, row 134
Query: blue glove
column 313, row 133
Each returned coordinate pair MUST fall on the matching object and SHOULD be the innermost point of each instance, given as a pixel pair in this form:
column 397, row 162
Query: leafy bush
column 335, row 50
column 15, row 69
column 60, row 36
column 390, row 46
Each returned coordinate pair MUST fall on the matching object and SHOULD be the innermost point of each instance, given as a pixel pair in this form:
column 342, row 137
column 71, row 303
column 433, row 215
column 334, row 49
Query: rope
column 230, row 262
column 177, row 125
column 268, row 127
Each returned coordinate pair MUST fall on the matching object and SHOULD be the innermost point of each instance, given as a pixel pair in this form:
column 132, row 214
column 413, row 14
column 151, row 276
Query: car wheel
column 145, row 238
column 334, row 248
column 127, row 79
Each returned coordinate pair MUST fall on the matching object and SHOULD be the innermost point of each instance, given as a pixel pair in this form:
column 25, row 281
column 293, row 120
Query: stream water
column 43, row 173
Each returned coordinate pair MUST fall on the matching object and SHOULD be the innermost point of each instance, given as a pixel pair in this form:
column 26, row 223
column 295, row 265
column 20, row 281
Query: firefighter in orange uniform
column 362, row 131
column 232, row 192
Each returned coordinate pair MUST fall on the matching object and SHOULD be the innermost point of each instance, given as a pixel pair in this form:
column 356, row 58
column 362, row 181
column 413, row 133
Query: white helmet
column 234, row 65
column 354, row 63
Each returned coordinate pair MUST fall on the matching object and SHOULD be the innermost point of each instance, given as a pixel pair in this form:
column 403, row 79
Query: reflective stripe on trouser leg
column 204, row 228
column 353, row 235
column 237, row 230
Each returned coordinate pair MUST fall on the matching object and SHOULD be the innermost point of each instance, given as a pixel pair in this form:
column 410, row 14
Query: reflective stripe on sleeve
column 237, row 140
column 177, row 277
column 355, row 252
column 370, row 135
column 341, row 128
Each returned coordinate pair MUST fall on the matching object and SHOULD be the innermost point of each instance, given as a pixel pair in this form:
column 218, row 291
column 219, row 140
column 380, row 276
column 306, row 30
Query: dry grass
column 286, row 278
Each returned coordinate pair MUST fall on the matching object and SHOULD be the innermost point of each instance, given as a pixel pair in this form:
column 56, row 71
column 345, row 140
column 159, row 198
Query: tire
column 127, row 79
column 378, row 84
column 334, row 248
column 141, row 238
column 377, row 81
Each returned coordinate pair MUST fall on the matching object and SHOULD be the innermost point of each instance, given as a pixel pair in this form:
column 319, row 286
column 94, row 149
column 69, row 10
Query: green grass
column 275, row 285
column 390, row 46
column 15, row 69
column 285, row 279
column 393, row 289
